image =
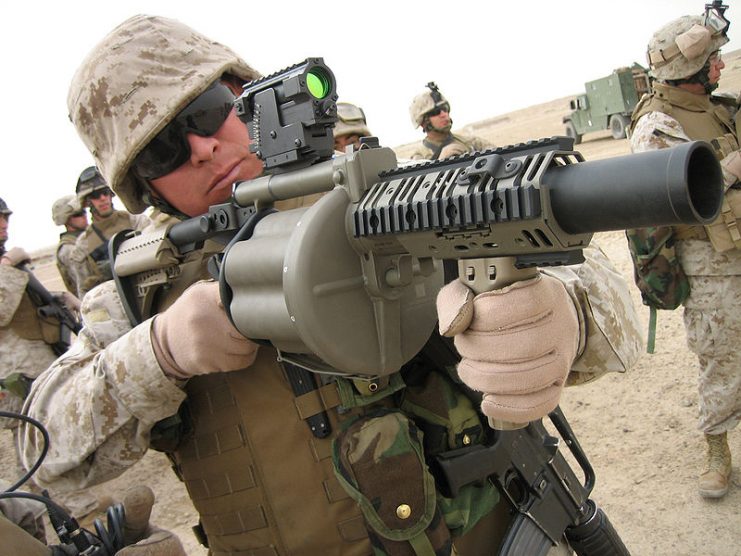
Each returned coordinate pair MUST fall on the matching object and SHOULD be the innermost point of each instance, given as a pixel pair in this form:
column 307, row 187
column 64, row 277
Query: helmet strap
column 702, row 77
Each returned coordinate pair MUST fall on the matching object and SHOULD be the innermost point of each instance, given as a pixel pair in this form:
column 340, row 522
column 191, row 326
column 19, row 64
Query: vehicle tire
column 618, row 126
column 571, row 132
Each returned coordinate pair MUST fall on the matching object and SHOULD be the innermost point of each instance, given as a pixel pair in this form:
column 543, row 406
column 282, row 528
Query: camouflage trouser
column 712, row 318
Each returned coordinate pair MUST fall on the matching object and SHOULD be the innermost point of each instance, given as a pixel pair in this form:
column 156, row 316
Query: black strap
column 99, row 233
column 302, row 382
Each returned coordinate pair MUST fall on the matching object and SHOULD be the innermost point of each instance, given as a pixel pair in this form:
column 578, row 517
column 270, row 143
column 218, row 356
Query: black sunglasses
column 436, row 111
column 98, row 193
column 170, row 148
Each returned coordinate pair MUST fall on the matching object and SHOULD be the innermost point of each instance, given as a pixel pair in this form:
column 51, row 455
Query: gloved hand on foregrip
column 194, row 336
column 517, row 344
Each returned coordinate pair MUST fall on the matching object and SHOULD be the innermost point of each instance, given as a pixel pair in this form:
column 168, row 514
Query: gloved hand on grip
column 194, row 336
column 517, row 344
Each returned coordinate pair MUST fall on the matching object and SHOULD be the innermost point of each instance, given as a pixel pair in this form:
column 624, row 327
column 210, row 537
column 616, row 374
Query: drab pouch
column 379, row 461
column 449, row 420
column 443, row 412
column 657, row 272
column 724, row 233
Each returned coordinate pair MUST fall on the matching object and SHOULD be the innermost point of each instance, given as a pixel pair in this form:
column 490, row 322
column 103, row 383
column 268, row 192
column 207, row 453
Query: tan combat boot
column 714, row 480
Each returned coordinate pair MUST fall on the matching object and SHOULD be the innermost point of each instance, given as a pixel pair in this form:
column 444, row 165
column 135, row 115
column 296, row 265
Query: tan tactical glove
column 516, row 344
column 194, row 336
column 16, row 256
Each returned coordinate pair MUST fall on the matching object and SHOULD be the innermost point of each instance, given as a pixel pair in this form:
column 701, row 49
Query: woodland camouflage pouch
column 657, row 272
column 449, row 421
column 379, row 461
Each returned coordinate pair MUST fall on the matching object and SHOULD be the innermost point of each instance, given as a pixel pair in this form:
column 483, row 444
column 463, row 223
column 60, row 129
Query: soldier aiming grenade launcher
column 348, row 285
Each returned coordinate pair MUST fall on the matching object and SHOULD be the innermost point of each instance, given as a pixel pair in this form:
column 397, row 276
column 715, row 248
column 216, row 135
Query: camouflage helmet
column 133, row 83
column 4, row 208
column 426, row 102
column 90, row 180
column 682, row 47
column 63, row 208
column 350, row 121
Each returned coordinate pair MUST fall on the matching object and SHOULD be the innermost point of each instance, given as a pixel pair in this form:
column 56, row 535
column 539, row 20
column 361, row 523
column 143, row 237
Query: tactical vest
column 96, row 236
column 701, row 120
column 67, row 238
column 265, row 485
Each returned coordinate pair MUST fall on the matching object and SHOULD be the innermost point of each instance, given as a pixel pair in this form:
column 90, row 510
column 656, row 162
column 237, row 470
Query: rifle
column 50, row 307
column 348, row 285
column 549, row 499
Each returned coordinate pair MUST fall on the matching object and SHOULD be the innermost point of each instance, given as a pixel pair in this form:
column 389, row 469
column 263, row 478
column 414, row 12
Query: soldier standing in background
column 27, row 346
column 350, row 126
column 90, row 261
column 430, row 110
column 685, row 61
column 66, row 211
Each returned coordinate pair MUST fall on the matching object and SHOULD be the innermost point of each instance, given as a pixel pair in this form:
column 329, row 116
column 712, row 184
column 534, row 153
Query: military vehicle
column 607, row 103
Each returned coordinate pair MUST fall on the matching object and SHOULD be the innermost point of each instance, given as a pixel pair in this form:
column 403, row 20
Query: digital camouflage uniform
column 65, row 255
column 82, row 264
column 262, row 483
column 24, row 351
column 712, row 315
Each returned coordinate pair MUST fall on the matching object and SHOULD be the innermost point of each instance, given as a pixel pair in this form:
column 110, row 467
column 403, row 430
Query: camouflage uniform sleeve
column 100, row 400
column 610, row 330
column 12, row 286
column 68, row 258
column 78, row 265
column 656, row 130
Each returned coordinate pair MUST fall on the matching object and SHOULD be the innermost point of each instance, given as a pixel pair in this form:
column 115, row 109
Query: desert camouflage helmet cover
column 680, row 49
column 350, row 121
column 4, row 208
column 423, row 103
column 133, row 83
column 63, row 208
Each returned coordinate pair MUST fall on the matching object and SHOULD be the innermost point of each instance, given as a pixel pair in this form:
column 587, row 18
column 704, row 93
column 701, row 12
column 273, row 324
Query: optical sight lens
column 318, row 83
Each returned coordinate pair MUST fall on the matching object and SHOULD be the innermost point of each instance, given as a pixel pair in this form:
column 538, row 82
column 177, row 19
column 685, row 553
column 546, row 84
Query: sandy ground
column 639, row 429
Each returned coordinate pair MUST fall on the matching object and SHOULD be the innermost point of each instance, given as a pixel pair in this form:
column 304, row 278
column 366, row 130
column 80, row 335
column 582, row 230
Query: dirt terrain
column 639, row 429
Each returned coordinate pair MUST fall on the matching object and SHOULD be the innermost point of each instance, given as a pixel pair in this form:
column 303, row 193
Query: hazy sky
column 488, row 58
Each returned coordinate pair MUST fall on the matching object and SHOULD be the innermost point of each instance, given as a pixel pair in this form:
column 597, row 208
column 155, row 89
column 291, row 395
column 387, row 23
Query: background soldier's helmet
column 350, row 121
column 680, row 49
column 90, row 180
column 63, row 208
column 426, row 102
column 4, row 208
column 132, row 85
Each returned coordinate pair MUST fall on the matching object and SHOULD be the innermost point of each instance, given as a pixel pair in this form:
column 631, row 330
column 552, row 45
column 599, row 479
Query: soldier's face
column 78, row 222
column 441, row 120
column 716, row 66
column 215, row 163
column 102, row 203
column 344, row 140
column 4, row 227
